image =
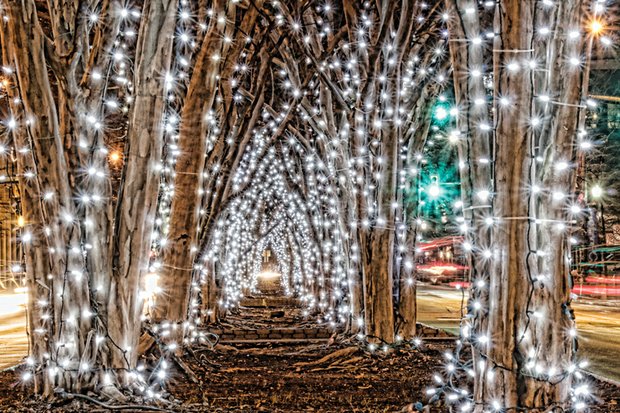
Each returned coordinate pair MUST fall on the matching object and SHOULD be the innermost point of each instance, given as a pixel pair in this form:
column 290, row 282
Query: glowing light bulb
column 596, row 27
column 115, row 156
column 483, row 195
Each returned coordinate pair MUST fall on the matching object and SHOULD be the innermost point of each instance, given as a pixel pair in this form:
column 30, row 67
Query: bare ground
column 290, row 379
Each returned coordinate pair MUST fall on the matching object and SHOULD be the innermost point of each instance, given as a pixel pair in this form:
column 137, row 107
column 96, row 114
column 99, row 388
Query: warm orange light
column 268, row 275
column 21, row 221
column 596, row 27
column 115, row 156
column 439, row 269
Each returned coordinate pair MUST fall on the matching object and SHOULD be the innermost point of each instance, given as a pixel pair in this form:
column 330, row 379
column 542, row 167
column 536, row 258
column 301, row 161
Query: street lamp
column 596, row 27
column 434, row 191
column 597, row 194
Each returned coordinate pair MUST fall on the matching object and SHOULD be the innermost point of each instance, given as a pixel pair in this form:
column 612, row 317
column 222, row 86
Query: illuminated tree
column 86, row 247
column 200, row 135
column 370, row 108
column 521, row 94
column 355, row 111
column 298, row 127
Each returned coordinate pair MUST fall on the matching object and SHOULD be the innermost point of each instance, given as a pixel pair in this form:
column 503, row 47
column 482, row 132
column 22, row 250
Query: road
column 598, row 326
column 13, row 340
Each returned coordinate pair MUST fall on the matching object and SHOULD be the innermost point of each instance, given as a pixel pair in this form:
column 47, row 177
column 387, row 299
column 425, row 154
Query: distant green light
column 441, row 113
column 434, row 191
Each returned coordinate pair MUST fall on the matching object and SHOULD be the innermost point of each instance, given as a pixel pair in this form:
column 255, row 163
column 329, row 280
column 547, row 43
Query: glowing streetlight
column 596, row 191
column 115, row 156
column 434, row 191
column 596, row 27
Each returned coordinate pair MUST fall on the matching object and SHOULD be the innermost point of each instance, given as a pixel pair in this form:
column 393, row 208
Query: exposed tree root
column 111, row 392
column 347, row 351
column 70, row 396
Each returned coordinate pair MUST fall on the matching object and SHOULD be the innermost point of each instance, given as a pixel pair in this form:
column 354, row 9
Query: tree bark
column 178, row 256
column 523, row 348
column 81, row 324
column 137, row 200
column 210, row 306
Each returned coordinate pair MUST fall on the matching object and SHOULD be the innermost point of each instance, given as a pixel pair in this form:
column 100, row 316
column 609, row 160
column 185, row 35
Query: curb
column 601, row 378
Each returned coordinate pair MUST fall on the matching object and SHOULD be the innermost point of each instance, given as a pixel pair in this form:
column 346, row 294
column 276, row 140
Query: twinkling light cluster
column 325, row 252
column 552, row 216
column 314, row 141
column 69, row 225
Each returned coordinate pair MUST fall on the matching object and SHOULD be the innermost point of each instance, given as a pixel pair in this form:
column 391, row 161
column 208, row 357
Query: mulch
column 287, row 378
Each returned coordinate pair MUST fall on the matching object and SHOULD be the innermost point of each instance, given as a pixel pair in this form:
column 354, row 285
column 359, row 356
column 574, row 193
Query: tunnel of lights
column 308, row 157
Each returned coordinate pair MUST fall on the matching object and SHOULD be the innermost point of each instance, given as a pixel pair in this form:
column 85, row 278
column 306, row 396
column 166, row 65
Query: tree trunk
column 81, row 324
column 473, row 146
column 210, row 306
column 137, row 200
column 523, row 347
column 377, row 245
column 377, row 258
column 421, row 116
column 56, row 270
column 179, row 254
